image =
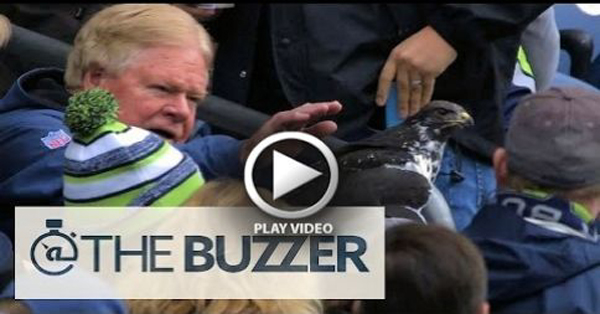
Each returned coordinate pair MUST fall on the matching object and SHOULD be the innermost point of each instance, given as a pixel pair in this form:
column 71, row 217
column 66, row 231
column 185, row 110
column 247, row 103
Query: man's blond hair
column 112, row 37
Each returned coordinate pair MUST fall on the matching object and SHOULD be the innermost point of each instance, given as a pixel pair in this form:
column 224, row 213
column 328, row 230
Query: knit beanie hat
column 109, row 163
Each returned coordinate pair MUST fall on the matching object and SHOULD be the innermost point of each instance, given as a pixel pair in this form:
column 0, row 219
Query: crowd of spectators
column 524, row 187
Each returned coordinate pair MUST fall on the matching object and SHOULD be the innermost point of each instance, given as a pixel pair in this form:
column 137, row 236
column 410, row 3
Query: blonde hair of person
column 226, row 193
column 5, row 30
column 115, row 35
column 225, row 306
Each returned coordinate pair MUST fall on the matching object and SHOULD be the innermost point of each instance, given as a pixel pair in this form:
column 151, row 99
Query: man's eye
column 196, row 100
column 160, row 88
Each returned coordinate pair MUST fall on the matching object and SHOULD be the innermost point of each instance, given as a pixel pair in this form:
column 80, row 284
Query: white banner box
column 198, row 253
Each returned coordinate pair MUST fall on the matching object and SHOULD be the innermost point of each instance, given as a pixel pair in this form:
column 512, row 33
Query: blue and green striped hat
column 109, row 163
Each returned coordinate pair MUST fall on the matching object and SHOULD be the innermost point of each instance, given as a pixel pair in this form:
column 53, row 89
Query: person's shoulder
column 489, row 211
column 28, row 128
column 494, row 221
column 36, row 94
column 32, row 118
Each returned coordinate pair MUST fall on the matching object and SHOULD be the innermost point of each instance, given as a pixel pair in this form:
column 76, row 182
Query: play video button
column 293, row 178
column 289, row 174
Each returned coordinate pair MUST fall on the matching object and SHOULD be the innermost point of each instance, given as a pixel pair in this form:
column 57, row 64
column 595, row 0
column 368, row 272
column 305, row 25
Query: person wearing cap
column 540, row 237
column 155, row 59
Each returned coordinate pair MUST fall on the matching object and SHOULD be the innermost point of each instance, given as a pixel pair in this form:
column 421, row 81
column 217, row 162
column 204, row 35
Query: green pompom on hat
column 89, row 110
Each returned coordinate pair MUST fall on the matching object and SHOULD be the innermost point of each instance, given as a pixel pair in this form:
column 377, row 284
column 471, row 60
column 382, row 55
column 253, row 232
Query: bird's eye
column 443, row 111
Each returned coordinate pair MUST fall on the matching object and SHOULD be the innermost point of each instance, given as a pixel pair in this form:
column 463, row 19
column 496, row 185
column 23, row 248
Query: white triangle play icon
column 289, row 174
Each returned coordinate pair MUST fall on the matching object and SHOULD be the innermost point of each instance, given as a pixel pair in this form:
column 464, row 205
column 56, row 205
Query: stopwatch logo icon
column 53, row 252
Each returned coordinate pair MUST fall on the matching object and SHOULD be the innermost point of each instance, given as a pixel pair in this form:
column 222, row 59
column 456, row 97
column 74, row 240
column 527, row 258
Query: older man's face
column 160, row 89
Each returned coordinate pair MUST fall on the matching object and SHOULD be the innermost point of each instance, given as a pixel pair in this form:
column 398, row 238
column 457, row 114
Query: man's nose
column 178, row 108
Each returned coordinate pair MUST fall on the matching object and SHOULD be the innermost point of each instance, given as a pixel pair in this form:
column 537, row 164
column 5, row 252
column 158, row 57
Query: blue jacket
column 533, row 269
column 33, row 138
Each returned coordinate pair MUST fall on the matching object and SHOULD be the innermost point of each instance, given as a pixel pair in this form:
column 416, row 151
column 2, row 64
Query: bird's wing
column 381, row 186
column 368, row 177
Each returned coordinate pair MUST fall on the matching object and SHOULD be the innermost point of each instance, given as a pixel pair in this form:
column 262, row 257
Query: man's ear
column 500, row 166
column 93, row 77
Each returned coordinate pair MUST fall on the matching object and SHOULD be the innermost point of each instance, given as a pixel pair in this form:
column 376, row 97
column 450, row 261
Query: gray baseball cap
column 554, row 138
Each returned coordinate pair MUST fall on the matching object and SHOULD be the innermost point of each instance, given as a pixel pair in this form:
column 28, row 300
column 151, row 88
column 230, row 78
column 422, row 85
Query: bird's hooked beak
column 463, row 119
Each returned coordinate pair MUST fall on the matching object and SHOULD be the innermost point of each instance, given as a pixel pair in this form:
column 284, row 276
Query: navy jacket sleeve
column 31, row 171
column 216, row 155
